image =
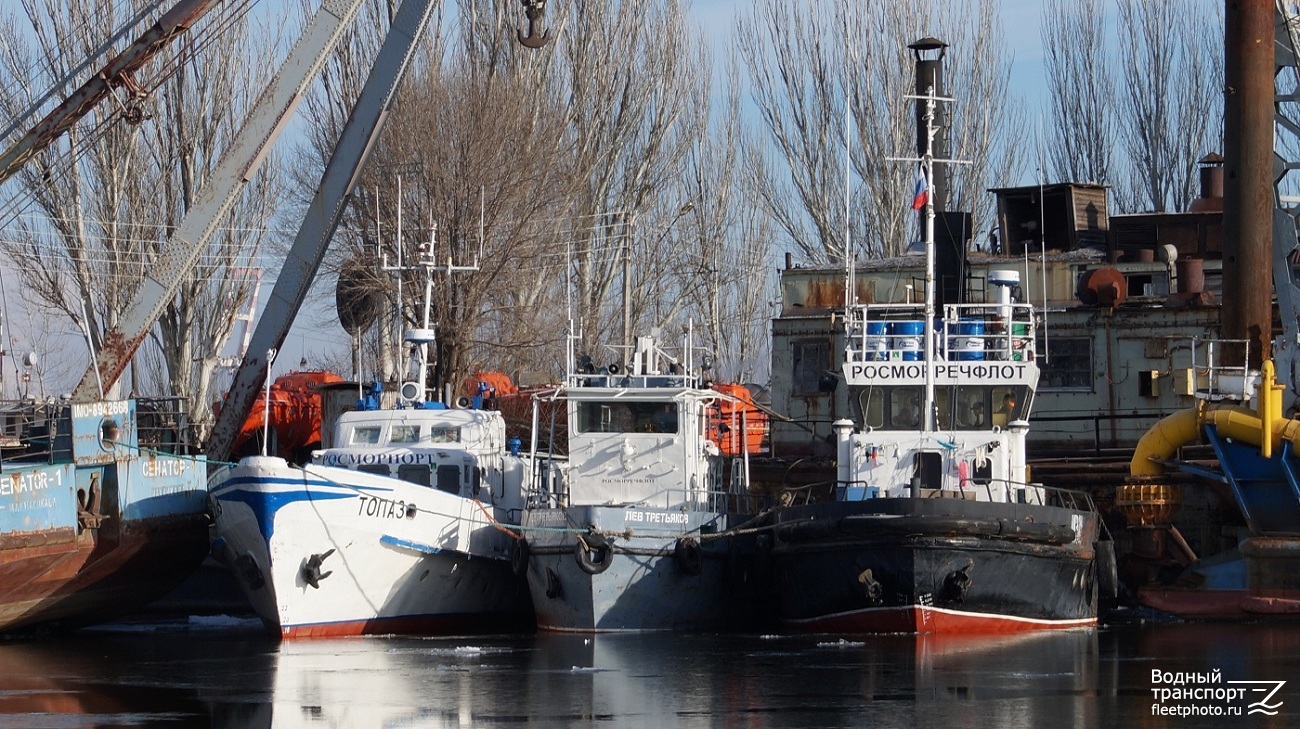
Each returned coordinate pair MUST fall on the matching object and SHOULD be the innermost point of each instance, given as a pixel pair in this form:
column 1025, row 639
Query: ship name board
column 163, row 467
column 367, row 459
column 28, row 481
column 380, row 508
column 656, row 517
column 958, row 372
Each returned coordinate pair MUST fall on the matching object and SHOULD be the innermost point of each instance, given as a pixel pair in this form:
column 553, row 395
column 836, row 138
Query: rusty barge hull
column 98, row 514
column 66, row 580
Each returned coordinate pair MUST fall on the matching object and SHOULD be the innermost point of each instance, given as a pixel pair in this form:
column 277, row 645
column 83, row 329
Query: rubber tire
column 688, row 556
column 519, row 555
column 587, row 558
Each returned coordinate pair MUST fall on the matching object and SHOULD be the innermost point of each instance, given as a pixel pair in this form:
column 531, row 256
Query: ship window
column 368, row 435
column 1009, row 405
column 1066, row 363
column 905, row 407
column 811, row 360
column 449, row 479
column 377, row 470
column 656, row 417
column 972, row 410
column 404, row 434
column 871, row 404
column 414, row 473
column 444, row 435
column 627, row 417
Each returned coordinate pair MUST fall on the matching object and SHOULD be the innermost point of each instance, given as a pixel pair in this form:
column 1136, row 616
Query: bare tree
column 727, row 243
column 1081, row 140
column 825, row 56
column 1170, row 100
column 636, row 85
column 105, row 197
column 542, row 168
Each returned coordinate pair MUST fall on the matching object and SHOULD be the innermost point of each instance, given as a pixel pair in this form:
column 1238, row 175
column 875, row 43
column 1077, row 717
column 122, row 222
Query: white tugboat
column 630, row 531
column 395, row 529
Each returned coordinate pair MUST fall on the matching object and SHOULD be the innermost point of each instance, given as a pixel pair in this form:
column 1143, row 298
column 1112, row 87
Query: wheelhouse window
column 1009, row 404
column 972, row 408
column 365, row 435
column 444, row 435
column 905, row 407
column 871, row 407
column 404, row 434
column 416, row 473
column 628, row 417
column 449, row 479
column 1066, row 363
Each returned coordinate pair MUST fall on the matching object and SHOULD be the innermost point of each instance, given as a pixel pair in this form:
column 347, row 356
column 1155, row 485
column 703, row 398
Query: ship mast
column 927, row 166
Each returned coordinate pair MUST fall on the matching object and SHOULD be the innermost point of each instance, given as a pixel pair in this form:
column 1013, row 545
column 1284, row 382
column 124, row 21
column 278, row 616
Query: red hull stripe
column 407, row 625
column 920, row 619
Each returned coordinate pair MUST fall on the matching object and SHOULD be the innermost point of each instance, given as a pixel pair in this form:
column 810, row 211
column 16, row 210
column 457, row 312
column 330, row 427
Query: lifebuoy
column 688, row 556
column 593, row 556
column 519, row 556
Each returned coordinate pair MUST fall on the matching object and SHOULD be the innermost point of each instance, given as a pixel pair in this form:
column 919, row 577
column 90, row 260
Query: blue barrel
column 906, row 338
column 876, row 343
column 967, row 340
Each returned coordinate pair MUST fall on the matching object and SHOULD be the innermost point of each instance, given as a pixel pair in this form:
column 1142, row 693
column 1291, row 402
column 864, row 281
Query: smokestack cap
column 1213, row 159
column 928, row 44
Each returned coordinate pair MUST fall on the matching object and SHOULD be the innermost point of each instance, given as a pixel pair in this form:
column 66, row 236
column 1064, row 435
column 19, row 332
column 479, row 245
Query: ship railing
column 965, row 332
column 723, row 501
column 1015, row 492
column 1215, row 380
column 162, row 425
column 34, row 431
column 618, row 379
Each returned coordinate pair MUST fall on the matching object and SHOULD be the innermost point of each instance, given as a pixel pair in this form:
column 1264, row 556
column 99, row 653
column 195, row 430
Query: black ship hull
column 935, row 566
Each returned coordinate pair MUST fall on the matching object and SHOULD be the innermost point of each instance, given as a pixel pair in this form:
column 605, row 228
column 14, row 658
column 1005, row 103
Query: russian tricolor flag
column 922, row 189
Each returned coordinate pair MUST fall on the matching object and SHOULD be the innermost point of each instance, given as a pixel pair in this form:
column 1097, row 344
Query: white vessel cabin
column 637, row 437
column 940, row 418
column 460, row 452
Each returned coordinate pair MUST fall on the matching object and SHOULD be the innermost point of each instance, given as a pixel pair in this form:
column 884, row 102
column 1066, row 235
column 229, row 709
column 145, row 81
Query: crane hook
column 533, row 38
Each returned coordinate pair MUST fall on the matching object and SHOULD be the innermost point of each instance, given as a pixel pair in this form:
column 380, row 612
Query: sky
column 717, row 18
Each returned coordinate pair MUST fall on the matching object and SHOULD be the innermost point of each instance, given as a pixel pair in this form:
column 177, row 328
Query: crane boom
column 304, row 259
column 270, row 113
column 117, row 73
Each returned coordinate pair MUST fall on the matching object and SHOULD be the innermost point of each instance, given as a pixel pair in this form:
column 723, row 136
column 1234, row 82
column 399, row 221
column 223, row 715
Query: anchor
column 310, row 571
column 533, row 38
column 957, row 583
column 871, row 588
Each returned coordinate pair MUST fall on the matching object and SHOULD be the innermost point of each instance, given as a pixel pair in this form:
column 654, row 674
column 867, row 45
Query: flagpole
column 927, row 162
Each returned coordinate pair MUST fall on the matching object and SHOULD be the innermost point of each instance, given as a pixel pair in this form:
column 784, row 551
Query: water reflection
column 234, row 677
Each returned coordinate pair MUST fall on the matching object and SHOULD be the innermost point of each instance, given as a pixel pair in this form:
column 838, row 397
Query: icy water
column 225, row 673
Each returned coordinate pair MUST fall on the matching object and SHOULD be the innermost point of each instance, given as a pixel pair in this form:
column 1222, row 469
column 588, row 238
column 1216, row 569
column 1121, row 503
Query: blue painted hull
column 661, row 571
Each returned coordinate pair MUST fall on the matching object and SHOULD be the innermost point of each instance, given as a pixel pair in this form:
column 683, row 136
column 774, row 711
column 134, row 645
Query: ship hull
column 330, row 552
column 98, row 515
column 934, row 566
column 61, row 579
column 647, row 569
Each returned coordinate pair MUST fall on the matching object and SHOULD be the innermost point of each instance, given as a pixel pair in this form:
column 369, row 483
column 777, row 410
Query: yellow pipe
column 1163, row 439
column 1234, row 422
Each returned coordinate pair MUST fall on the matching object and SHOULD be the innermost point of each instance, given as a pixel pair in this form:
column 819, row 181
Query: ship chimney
column 929, row 73
column 1211, row 199
column 1248, row 179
